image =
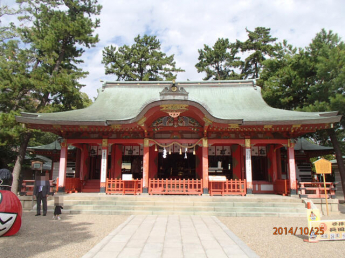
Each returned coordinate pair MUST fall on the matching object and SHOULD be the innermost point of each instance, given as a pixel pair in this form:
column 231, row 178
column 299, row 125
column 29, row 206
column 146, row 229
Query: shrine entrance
column 176, row 166
column 95, row 167
column 260, row 168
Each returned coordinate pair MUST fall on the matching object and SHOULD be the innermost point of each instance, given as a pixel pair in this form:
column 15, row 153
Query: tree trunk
column 339, row 156
column 19, row 162
column 61, row 56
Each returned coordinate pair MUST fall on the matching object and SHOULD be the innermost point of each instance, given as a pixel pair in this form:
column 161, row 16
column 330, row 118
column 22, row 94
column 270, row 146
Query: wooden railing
column 119, row 186
column 27, row 187
column 316, row 190
column 228, row 187
column 175, row 186
column 282, row 186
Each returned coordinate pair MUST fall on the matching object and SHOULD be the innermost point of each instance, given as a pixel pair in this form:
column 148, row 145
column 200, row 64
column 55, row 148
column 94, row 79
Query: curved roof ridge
column 223, row 100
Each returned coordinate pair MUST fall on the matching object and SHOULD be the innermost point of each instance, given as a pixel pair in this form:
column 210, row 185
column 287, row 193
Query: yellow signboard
column 313, row 215
column 323, row 166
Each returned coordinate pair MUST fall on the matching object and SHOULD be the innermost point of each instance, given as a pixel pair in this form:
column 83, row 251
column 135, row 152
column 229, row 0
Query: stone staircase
column 303, row 172
column 233, row 206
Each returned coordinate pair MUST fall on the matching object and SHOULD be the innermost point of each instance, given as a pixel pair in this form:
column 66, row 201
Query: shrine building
column 179, row 137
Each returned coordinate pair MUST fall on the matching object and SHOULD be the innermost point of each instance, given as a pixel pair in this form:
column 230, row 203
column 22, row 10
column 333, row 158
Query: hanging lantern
column 164, row 153
column 169, row 150
column 194, row 150
column 180, row 150
column 155, row 147
column 185, row 153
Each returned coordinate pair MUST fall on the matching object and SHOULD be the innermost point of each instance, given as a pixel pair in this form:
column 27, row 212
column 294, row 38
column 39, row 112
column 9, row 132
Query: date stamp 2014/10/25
column 297, row 231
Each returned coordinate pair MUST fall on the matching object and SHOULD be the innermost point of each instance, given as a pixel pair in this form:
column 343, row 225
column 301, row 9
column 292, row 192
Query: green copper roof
column 304, row 144
column 51, row 146
column 221, row 101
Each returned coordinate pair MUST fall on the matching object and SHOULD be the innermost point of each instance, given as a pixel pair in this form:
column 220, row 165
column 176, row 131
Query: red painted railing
column 282, row 186
column 27, row 187
column 175, row 186
column 119, row 186
column 72, row 185
column 316, row 190
column 228, row 187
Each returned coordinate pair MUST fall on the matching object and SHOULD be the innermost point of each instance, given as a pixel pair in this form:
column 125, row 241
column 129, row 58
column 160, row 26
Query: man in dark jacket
column 41, row 191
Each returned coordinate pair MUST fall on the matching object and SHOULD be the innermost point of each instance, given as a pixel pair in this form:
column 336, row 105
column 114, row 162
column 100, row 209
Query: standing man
column 41, row 190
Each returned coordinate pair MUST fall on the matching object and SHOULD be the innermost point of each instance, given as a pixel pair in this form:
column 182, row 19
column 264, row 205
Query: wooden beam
column 225, row 141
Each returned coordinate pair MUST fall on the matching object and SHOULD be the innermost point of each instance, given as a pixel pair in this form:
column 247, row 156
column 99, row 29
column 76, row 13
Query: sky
column 184, row 26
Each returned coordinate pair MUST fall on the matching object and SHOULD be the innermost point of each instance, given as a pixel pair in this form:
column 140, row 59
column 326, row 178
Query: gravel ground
column 75, row 235
column 72, row 236
column 257, row 233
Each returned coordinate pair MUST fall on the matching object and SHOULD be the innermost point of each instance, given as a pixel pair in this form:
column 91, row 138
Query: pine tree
column 219, row 62
column 258, row 46
column 44, row 76
column 311, row 79
column 143, row 61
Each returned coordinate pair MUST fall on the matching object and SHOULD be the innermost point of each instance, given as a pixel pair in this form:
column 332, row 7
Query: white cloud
column 184, row 26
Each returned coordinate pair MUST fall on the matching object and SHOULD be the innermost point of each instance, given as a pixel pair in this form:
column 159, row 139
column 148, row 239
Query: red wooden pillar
column 249, row 166
column 146, row 165
column 112, row 161
column 279, row 164
column 153, row 162
column 83, row 162
column 198, row 162
column 77, row 163
column 205, row 165
column 292, row 167
column 274, row 164
column 270, row 158
column 243, row 166
column 236, row 151
column 116, row 161
column 62, row 167
column 104, row 165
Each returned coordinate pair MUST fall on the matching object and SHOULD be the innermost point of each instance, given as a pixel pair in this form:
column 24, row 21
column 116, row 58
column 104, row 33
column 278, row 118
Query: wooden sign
column 217, row 178
column 36, row 165
column 327, row 230
column 323, row 166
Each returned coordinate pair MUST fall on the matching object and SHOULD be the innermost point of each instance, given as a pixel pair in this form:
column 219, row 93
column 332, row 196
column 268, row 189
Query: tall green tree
column 143, row 61
column 220, row 61
column 42, row 74
column 258, row 46
column 311, row 80
column 284, row 78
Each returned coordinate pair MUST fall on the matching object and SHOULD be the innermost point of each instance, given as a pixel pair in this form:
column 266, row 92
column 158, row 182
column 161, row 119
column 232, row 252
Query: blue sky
column 184, row 26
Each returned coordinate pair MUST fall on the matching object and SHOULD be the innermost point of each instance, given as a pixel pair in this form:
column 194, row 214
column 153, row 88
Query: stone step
column 192, row 208
column 203, row 213
column 183, row 204
column 166, row 198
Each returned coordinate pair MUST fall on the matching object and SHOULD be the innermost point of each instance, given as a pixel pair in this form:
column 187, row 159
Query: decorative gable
column 173, row 92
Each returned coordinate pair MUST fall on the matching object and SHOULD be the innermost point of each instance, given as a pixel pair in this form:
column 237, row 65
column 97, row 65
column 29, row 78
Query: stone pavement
column 342, row 208
column 171, row 236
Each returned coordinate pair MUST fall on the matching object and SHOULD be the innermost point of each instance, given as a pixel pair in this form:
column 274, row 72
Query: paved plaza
column 171, row 236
